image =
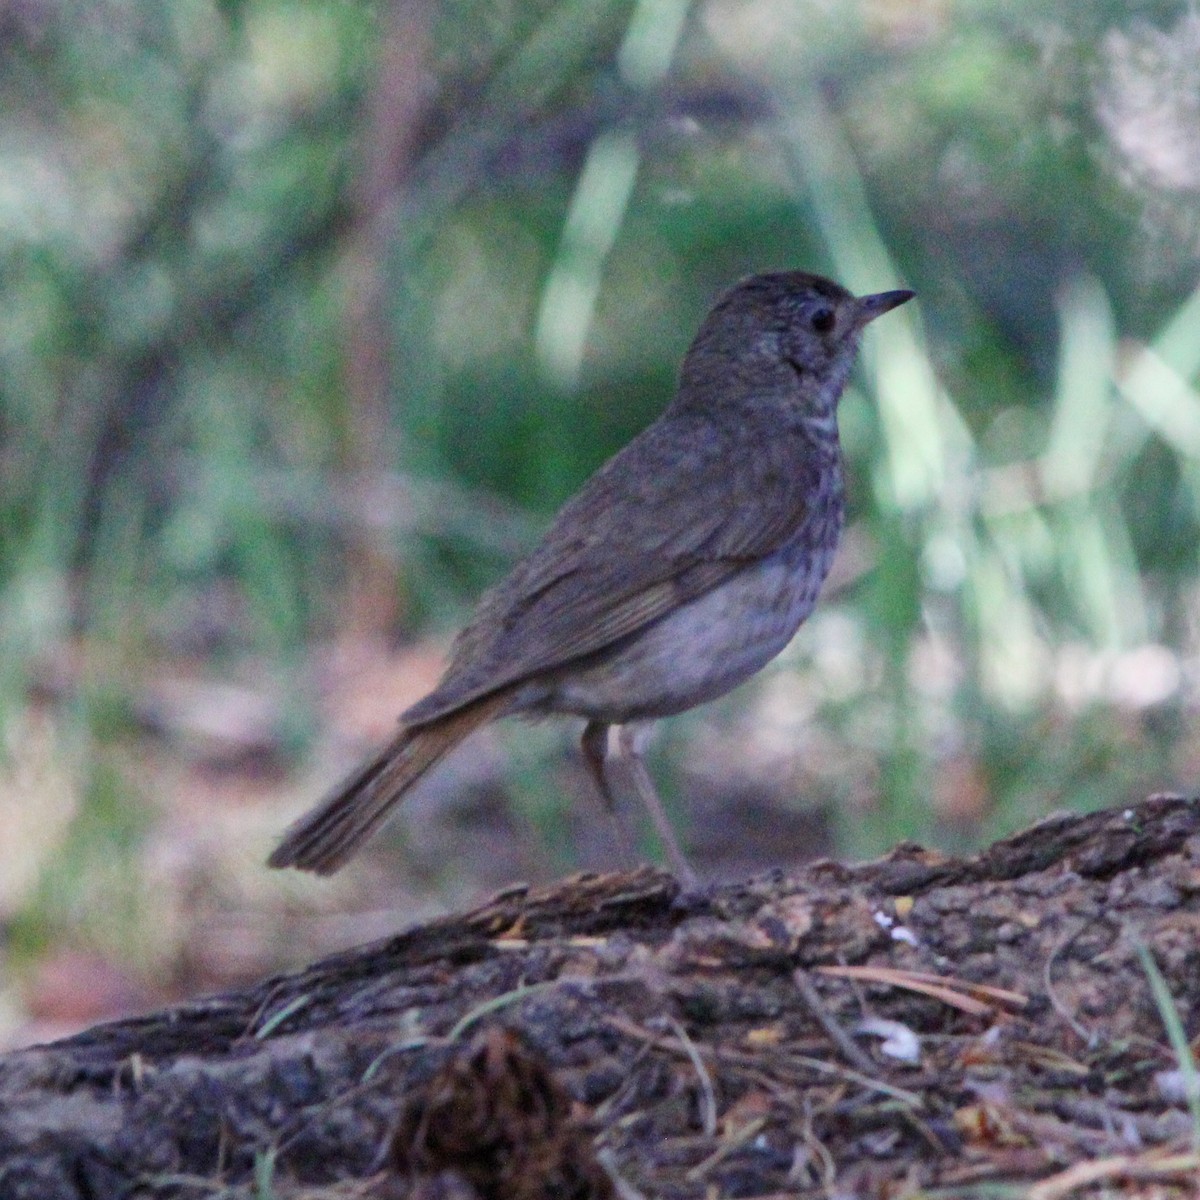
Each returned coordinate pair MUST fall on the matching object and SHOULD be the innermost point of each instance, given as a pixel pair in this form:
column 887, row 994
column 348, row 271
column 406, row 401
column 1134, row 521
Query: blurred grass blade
column 1093, row 547
column 1100, row 570
column 1011, row 654
column 593, row 222
column 1083, row 398
column 1176, row 343
column 1155, row 384
column 601, row 200
column 650, row 44
column 1165, row 400
column 1176, row 1034
column 915, row 414
column 35, row 572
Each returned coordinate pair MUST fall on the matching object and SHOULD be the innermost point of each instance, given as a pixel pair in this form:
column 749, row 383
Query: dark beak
column 870, row 307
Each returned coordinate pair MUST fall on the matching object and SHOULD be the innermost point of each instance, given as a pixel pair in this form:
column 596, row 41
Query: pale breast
column 708, row 646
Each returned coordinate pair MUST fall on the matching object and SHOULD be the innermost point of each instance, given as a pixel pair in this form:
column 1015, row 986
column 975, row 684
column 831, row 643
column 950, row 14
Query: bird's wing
column 678, row 510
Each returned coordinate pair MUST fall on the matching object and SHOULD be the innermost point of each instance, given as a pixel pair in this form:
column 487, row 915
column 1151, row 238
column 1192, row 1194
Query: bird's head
column 784, row 334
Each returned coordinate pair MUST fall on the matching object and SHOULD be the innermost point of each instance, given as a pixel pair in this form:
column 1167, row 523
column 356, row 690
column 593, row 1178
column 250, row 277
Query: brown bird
column 682, row 567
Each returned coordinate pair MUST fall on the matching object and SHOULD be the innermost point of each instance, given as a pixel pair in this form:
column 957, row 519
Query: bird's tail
column 322, row 840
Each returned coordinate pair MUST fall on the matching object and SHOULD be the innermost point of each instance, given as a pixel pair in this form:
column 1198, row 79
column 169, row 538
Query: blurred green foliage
column 295, row 291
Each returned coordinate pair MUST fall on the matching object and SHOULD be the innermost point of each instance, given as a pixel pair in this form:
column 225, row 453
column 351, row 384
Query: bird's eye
column 822, row 319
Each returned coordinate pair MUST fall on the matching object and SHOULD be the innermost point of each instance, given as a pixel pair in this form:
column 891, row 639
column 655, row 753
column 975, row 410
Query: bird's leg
column 629, row 750
column 595, row 753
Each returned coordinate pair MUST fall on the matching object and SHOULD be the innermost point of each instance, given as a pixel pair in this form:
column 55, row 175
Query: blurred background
column 314, row 311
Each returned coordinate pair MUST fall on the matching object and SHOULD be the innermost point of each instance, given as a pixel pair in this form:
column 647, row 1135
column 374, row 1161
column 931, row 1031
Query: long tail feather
column 333, row 832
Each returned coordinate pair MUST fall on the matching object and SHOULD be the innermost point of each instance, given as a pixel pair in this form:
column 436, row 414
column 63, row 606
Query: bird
column 682, row 566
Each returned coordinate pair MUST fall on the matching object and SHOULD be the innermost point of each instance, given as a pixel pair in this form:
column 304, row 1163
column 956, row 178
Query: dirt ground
column 1018, row 1023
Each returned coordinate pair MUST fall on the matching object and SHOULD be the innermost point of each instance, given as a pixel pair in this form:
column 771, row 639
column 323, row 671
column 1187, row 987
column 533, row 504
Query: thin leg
column 594, row 744
column 595, row 753
column 629, row 750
